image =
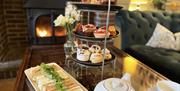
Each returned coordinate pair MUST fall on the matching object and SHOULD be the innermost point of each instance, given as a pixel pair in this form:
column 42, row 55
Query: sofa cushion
column 162, row 38
column 166, row 62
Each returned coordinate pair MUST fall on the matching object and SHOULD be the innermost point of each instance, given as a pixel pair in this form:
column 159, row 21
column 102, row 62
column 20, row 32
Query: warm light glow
column 173, row 6
column 130, row 65
column 59, row 31
column 42, row 32
column 136, row 4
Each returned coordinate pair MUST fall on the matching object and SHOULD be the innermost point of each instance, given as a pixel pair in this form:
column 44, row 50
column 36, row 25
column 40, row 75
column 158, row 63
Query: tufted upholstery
column 137, row 28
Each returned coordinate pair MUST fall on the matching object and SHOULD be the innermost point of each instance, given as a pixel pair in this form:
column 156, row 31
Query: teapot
column 115, row 84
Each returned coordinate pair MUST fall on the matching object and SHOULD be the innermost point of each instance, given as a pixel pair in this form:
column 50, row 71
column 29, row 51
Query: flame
column 42, row 32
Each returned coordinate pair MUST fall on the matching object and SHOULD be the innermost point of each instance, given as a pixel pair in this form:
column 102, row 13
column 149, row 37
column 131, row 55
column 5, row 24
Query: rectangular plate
column 73, row 84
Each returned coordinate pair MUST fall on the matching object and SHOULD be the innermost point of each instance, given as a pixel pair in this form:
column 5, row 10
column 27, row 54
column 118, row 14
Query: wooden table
column 142, row 77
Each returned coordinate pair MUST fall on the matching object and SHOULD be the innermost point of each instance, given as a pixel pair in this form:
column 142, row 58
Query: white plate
column 68, row 76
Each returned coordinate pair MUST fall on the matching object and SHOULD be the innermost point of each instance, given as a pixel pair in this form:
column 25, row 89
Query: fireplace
column 40, row 16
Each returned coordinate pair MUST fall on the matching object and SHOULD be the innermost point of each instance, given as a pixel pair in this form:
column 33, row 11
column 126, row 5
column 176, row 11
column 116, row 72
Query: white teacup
column 115, row 84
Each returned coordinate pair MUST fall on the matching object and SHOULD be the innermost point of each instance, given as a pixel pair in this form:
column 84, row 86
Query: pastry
column 95, row 48
column 83, row 53
column 101, row 33
column 112, row 30
column 108, row 55
column 96, row 57
column 95, row 1
column 88, row 29
column 78, row 29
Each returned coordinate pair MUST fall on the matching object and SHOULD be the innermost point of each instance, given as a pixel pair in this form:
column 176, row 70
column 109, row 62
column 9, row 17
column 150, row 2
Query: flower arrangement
column 72, row 16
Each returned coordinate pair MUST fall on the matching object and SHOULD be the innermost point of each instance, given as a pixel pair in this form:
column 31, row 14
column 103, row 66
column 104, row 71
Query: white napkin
column 166, row 85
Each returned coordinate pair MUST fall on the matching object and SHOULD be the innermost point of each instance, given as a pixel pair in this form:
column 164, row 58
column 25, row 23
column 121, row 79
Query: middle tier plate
column 89, row 63
column 93, row 38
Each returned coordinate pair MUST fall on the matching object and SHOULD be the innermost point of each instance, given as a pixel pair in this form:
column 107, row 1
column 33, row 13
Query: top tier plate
column 95, row 7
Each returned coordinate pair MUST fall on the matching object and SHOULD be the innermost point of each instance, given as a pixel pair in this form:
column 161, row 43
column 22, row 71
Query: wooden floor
column 7, row 84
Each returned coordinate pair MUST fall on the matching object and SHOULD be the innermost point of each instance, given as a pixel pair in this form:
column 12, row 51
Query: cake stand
column 77, row 68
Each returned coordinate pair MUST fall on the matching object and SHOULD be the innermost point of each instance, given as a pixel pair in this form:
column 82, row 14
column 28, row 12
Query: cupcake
column 96, row 57
column 83, row 53
column 101, row 33
column 88, row 29
column 108, row 55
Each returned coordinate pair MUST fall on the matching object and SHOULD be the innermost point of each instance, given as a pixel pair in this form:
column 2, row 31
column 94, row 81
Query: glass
column 68, row 48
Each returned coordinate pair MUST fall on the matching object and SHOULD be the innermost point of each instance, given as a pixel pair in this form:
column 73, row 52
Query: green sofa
column 137, row 28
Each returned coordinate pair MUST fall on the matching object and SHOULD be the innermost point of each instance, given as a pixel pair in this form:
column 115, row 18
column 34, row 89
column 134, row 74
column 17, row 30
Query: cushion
column 163, row 38
column 164, row 61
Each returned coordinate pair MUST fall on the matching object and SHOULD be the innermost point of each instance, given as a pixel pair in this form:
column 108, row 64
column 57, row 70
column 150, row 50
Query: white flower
column 75, row 15
column 68, row 10
column 68, row 21
column 60, row 21
column 71, row 11
column 71, row 20
column 78, row 16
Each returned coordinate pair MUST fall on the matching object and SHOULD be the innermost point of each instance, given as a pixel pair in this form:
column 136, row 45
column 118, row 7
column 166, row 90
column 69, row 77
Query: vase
column 69, row 45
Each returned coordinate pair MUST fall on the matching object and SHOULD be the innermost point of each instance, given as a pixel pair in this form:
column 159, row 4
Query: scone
column 96, row 58
column 108, row 55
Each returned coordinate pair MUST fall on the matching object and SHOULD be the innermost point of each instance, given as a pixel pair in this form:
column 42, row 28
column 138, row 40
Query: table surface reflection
column 142, row 77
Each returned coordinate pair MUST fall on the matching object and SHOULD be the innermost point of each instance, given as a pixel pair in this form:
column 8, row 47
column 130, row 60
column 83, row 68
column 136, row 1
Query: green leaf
column 52, row 74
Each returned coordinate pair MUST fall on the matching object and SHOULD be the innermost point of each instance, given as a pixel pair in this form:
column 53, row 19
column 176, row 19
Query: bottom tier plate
column 89, row 63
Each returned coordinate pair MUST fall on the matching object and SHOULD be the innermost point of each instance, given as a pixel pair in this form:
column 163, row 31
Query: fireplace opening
column 44, row 28
column 41, row 29
column 46, row 33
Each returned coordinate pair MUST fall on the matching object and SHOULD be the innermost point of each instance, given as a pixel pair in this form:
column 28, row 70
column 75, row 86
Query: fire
column 41, row 32
column 45, row 29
